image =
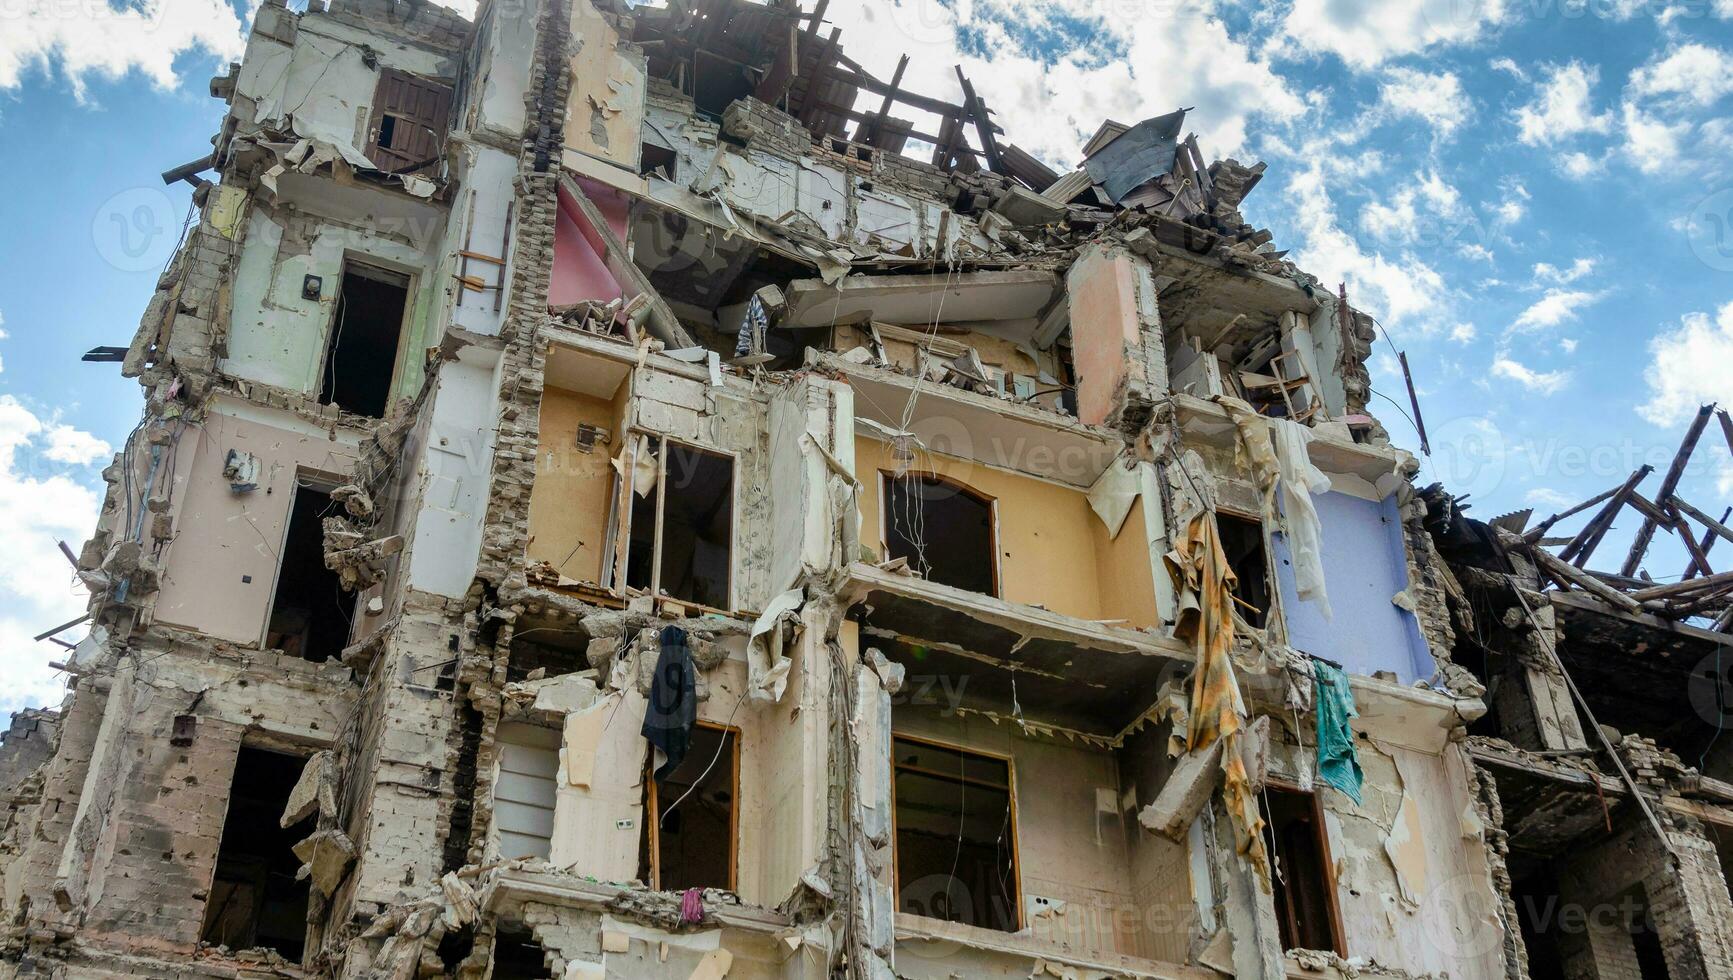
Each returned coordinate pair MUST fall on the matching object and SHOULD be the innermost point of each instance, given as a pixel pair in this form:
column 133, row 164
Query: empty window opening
column 523, row 798
column 1645, row 939
column 310, row 611
column 681, row 536
column 1305, row 892
column 517, row 955
column 254, row 898
column 945, row 530
column 956, row 827
column 1243, row 543
column 1538, row 905
column 361, row 351
column 690, row 827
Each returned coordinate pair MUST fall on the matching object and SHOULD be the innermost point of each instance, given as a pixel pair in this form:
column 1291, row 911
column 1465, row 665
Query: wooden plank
column 824, row 65
column 1681, row 588
column 662, row 323
column 1712, row 524
column 1669, row 483
column 977, row 110
column 1584, row 544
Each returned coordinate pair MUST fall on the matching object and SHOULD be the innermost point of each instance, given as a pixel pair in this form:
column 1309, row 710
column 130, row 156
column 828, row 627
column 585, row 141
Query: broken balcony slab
column 1550, row 806
column 934, row 949
column 1022, row 661
column 1201, row 296
column 978, row 427
column 1206, row 422
column 969, row 297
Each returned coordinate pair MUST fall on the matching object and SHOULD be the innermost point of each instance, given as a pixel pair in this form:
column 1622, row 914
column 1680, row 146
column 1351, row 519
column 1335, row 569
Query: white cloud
column 1366, row 33
column 1578, row 165
column 39, row 504
column 1049, row 102
column 1474, row 251
column 1548, row 497
column 1690, row 73
column 1513, row 206
column 1399, row 291
column 1652, row 143
column 1688, row 367
column 1514, row 69
column 1463, row 333
column 1568, row 345
column 1554, row 307
column 1542, row 382
column 94, row 38
column 1549, row 273
column 1436, row 99
column 1429, row 207
column 74, row 446
column 1562, row 107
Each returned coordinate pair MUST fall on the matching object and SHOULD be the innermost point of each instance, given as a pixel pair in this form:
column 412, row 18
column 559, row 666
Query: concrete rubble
column 532, row 386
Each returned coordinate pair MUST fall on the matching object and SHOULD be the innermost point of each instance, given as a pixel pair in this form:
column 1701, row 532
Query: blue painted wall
column 1364, row 566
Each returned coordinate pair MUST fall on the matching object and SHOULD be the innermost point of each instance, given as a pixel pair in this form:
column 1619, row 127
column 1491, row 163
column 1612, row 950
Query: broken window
column 523, row 797
column 361, row 351
column 690, row 831
column 682, row 530
column 1305, row 889
column 407, row 131
column 254, row 898
column 1243, row 544
column 956, row 827
column 945, row 530
column 310, row 610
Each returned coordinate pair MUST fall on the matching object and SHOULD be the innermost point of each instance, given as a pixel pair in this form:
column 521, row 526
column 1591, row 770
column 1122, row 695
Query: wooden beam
column 1681, row 588
column 1558, row 568
column 1704, row 519
column 821, row 73
column 868, row 130
column 1537, row 532
column 663, row 324
column 1584, row 544
column 1669, row 483
column 977, row 110
column 1705, row 545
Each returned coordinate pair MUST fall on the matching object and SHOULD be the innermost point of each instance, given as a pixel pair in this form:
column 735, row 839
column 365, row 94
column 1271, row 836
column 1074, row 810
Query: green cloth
column 1338, row 760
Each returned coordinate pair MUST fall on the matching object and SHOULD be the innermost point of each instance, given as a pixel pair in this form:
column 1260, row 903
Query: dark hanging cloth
column 673, row 708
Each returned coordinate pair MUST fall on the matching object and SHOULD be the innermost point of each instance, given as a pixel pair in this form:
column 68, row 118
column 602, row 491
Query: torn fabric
column 1203, row 583
column 1338, row 759
column 1299, row 481
column 673, row 707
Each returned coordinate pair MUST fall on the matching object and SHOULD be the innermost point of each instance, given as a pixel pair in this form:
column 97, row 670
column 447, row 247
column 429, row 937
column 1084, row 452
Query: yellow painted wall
column 1052, row 547
column 573, row 491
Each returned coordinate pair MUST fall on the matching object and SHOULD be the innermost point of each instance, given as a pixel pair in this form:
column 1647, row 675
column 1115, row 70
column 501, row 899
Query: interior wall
column 1051, row 544
column 606, row 112
column 453, row 478
column 573, row 491
column 227, row 592
column 1160, row 869
column 1365, row 566
column 1072, row 846
column 578, row 271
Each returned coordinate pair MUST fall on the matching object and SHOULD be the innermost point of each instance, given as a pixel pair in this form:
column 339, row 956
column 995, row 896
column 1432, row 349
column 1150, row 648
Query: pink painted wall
column 221, row 537
column 579, row 272
column 1103, row 327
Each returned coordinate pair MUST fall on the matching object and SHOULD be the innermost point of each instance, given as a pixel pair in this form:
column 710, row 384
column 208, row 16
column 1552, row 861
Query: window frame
column 653, row 814
column 1333, row 905
column 887, row 478
column 1020, row 921
column 620, row 525
column 302, row 479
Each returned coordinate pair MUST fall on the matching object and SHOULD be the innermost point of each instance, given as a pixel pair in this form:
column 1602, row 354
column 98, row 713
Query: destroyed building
column 627, row 492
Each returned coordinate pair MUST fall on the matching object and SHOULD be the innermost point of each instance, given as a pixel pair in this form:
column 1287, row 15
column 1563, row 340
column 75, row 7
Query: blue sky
column 1526, row 193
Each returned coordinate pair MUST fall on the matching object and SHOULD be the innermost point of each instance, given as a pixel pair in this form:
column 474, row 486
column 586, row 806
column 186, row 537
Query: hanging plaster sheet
column 1113, row 494
column 1203, row 582
column 767, row 664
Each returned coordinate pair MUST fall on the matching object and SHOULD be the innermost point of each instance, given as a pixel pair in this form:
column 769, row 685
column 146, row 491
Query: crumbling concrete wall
column 1117, row 347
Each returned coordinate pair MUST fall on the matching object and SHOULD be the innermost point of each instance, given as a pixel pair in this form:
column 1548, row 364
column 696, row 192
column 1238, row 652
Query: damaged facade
column 626, row 492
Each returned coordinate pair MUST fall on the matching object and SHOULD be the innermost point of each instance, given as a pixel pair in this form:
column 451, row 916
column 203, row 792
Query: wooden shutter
column 408, row 126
